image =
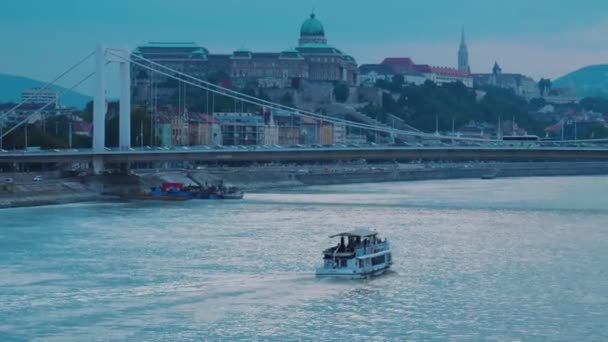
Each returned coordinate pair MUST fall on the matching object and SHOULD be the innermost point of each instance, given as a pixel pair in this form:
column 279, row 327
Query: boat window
column 378, row 260
column 343, row 263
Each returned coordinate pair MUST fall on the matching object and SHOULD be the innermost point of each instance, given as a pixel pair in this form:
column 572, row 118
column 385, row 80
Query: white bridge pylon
column 102, row 57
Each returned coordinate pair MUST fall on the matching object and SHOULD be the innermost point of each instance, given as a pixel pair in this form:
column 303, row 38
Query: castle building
column 412, row 73
column 325, row 62
column 313, row 59
column 186, row 57
column 521, row 85
column 417, row 74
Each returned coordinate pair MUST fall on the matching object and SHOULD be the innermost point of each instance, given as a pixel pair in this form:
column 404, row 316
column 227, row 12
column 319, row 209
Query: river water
column 505, row 259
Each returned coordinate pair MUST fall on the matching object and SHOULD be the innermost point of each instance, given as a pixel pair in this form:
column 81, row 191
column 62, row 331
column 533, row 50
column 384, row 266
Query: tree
column 262, row 95
column 598, row 131
column 397, row 83
column 218, row 77
column 382, row 84
column 341, row 92
column 595, row 104
column 419, row 105
column 287, row 99
column 537, row 103
column 544, row 85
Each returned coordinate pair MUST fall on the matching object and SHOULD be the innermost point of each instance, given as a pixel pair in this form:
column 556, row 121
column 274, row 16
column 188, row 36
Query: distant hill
column 590, row 81
column 11, row 87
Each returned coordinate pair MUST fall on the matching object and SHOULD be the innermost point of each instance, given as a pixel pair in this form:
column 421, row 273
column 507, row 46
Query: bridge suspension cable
column 171, row 73
column 53, row 81
column 245, row 98
column 20, row 123
column 237, row 95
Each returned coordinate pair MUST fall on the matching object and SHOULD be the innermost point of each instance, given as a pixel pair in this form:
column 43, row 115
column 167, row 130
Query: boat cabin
column 357, row 249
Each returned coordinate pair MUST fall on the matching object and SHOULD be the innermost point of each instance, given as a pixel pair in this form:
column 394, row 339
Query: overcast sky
column 541, row 38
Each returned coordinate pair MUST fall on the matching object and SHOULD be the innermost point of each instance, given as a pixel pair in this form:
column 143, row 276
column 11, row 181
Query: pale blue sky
column 542, row 38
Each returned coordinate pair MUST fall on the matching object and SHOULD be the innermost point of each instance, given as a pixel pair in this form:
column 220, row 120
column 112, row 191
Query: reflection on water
column 505, row 259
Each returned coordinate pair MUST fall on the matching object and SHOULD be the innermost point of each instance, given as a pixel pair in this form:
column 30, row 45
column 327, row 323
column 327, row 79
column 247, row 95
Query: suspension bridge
column 428, row 146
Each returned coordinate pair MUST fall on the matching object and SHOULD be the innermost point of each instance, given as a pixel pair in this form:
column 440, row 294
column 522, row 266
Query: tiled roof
column 423, row 68
column 554, row 128
column 382, row 69
column 319, row 48
column 398, row 61
column 171, row 48
column 208, row 118
column 82, row 127
column 201, row 117
column 446, row 71
column 266, row 54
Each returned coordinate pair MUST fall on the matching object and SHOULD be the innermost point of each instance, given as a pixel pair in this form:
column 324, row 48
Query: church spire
column 463, row 54
column 462, row 38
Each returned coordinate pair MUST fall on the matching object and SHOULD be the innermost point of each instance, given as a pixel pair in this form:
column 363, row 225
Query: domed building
column 312, row 60
column 312, row 31
column 325, row 62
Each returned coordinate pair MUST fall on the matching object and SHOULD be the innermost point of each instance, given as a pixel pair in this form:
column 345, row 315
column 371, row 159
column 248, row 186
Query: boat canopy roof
column 359, row 232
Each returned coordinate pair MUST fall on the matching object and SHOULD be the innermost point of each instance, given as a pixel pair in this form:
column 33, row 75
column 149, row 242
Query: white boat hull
column 352, row 274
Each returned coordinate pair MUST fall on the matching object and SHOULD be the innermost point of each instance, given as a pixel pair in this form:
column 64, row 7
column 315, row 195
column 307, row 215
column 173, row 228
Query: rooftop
column 381, row 69
column 312, row 27
column 171, row 45
column 359, row 232
column 398, row 61
column 447, row 71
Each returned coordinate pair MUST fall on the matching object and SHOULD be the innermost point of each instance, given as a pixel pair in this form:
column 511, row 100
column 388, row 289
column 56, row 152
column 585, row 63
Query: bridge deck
column 313, row 154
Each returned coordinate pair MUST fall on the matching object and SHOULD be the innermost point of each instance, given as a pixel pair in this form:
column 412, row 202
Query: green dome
column 312, row 27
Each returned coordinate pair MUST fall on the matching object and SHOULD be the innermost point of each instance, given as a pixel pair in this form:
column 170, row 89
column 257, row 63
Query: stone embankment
column 455, row 171
column 47, row 192
column 257, row 179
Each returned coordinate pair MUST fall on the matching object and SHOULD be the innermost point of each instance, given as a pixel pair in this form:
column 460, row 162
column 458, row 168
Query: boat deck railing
column 379, row 247
column 334, row 252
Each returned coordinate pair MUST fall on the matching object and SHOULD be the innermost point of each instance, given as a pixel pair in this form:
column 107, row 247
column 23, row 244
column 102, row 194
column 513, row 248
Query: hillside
column 11, row 86
column 421, row 105
column 590, row 81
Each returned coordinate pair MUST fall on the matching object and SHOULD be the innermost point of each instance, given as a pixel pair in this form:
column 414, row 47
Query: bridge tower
column 102, row 57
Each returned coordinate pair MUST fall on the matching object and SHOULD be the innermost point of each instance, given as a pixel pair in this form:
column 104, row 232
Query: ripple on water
column 515, row 259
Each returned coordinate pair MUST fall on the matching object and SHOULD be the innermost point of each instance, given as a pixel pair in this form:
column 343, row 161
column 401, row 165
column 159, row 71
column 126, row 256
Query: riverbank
column 20, row 190
column 275, row 177
column 37, row 200
column 264, row 179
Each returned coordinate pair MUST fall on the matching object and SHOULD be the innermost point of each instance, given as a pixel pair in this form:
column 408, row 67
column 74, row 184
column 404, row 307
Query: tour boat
column 362, row 255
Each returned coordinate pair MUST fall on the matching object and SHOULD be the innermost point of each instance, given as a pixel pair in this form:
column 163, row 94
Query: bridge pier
column 124, row 118
column 99, row 102
column 121, row 57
